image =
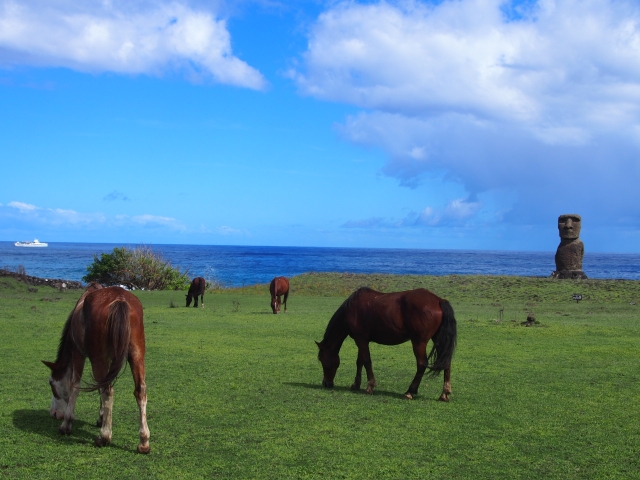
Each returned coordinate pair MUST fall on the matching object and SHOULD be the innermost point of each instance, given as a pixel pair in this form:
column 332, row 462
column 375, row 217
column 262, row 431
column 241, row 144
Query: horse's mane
column 337, row 320
column 64, row 347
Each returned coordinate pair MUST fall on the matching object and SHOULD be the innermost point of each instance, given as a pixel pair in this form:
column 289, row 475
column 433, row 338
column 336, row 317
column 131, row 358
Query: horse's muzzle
column 56, row 414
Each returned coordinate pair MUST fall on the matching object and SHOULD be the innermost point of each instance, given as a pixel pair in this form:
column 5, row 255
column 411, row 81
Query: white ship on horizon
column 35, row 243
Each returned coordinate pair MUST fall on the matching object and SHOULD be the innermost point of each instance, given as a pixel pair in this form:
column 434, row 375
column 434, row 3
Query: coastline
column 236, row 266
column 58, row 283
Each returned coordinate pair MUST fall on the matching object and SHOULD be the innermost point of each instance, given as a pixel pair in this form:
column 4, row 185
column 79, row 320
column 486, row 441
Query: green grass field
column 234, row 391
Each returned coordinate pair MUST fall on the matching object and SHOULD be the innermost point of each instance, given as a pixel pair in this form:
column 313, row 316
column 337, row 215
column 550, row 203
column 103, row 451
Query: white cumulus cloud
column 122, row 37
column 23, row 207
column 542, row 98
column 60, row 217
column 468, row 57
column 50, row 216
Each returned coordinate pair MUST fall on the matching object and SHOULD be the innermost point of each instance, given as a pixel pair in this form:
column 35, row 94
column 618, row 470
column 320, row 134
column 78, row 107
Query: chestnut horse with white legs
column 107, row 326
column 392, row 319
column 197, row 288
column 279, row 287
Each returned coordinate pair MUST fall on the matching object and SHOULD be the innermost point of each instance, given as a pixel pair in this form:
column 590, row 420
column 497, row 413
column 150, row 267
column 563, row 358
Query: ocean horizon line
column 488, row 250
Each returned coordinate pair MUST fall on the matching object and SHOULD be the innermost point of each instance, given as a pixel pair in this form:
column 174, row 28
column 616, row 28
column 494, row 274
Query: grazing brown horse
column 106, row 325
column 196, row 289
column 279, row 287
column 391, row 319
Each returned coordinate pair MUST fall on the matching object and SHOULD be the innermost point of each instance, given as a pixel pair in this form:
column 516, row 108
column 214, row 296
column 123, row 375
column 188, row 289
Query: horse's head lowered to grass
column 60, row 382
column 330, row 360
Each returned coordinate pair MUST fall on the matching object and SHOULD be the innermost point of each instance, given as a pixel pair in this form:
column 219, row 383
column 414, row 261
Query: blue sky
column 467, row 124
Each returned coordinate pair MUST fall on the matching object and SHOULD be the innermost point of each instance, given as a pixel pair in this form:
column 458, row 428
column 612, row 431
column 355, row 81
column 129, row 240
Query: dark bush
column 138, row 268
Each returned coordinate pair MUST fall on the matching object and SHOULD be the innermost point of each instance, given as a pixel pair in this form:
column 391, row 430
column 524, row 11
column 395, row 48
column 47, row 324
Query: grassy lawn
column 234, row 391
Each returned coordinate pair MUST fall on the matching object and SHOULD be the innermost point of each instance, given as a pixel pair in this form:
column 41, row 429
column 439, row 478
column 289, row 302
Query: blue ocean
column 242, row 265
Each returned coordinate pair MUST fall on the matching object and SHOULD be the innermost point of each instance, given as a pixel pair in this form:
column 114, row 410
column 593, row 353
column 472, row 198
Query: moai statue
column 571, row 249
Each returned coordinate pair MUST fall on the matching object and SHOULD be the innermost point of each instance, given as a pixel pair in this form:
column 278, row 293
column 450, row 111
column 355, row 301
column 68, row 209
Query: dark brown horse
column 107, row 326
column 279, row 287
column 391, row 319
column 196, row 289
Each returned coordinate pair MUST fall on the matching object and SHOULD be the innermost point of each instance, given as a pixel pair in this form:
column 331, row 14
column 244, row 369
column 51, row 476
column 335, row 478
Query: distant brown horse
column 196, row 289
column 107, row 326
column 391, row 319
column 279, row 287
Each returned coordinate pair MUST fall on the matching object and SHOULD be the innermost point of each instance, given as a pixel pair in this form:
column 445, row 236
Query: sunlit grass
column 234, row 391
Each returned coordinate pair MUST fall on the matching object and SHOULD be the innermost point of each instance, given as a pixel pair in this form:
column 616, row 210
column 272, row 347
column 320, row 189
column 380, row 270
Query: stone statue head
column 569, row 225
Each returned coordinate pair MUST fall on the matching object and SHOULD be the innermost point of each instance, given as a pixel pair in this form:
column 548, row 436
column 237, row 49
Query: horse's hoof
column 101, row 442
column 355, row 388
column 408, row 396
column 444, row 398
column 144, row 449
column 369, row 390
column 64, row 430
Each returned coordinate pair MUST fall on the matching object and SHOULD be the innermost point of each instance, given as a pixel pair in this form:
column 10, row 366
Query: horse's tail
column 444, row 341
column 118, row 333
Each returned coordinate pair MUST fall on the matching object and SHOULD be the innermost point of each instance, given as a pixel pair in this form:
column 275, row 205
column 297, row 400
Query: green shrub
column 139, row 268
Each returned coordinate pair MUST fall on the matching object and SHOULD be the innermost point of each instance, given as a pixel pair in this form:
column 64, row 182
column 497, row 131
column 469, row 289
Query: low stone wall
column 37, row 281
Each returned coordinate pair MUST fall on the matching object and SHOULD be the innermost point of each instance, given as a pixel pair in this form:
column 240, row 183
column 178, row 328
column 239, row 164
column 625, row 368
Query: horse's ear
column 52, row 366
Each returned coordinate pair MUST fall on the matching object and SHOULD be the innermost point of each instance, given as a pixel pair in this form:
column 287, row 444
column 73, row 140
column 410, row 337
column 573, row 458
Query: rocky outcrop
column 38, row 282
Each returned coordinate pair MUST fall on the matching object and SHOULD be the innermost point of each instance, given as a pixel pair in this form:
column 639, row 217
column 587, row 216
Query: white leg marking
column 107, row 400
column 143, row 447
column 71, row 406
